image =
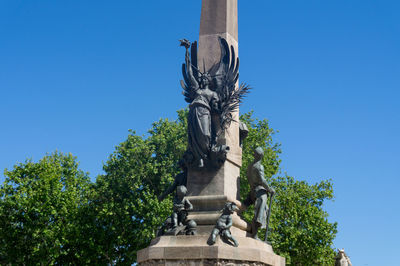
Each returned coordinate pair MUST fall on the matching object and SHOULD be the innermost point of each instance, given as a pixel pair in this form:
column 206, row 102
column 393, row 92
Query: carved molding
column 204, row 262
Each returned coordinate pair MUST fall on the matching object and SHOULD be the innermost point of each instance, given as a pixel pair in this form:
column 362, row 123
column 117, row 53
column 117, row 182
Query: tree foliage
column 126, row 207
column 51, row 213
column 300, row 230
column 39, row 210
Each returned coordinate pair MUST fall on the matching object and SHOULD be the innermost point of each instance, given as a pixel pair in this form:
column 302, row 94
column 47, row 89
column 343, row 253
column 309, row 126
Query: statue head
column 205, row 79
column 258, row 153
column 181, row 191
column 230, row 207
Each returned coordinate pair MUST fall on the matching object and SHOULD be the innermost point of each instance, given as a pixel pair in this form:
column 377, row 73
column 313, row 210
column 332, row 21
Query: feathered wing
column 226, row 75
column 232, row 104
column 190, row 85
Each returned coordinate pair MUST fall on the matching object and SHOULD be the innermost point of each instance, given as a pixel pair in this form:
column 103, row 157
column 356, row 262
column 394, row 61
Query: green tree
column 300, row 229
column 39, row 207
column 125, row 206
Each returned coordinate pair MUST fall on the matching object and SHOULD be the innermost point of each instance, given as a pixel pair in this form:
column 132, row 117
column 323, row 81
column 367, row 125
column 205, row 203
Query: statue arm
column 263, row 181
column 189, row 71
column 229, row 222
column 188, row 205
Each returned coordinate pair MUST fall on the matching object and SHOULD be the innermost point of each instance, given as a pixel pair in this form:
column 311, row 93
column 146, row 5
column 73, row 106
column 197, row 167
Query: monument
column 342, row 259
column 204, row 228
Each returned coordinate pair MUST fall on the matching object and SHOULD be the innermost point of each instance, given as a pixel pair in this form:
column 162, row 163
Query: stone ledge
column 212, row 203
column 210, row 218
column 205, row 230
column 183, row 248
column 202, row 262
column 213, row 199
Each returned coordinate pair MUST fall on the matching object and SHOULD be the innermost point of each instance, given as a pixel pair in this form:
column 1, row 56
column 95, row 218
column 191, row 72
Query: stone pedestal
column 193, row 250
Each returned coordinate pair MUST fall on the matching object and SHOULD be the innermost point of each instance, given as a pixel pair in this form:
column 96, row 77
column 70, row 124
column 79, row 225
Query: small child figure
column 223, row 225
column 181, row 206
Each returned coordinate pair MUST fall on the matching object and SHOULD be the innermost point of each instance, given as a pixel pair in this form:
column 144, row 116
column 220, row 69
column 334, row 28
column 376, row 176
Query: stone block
column 223, row 182
column 219, row 16
column 194, row 250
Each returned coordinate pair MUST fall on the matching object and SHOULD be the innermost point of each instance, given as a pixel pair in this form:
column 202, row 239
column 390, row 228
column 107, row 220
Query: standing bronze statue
column 212, row 97
column 259, row 191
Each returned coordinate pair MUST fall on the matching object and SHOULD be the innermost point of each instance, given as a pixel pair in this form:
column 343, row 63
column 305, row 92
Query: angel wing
column 225, row 76
column 190, row 82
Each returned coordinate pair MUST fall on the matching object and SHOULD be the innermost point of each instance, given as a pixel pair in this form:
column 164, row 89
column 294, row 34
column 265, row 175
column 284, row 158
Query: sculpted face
column 205, row 80
column 181, row 191
column 231, row 207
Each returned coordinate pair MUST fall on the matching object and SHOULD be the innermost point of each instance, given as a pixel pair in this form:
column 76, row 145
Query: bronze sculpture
column 259, row 191
column 212, row 97
column 224, row 224
column 178, row 223
column 181, row 207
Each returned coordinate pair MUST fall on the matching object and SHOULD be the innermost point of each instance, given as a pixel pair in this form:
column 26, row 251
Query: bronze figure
column 212, row 97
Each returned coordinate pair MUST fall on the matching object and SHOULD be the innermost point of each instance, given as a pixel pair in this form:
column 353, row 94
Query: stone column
column 219, row 18
column 210, row 190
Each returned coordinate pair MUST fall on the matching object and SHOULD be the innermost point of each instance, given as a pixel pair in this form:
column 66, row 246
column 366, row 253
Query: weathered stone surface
column 175, row 250
column 211, row 202
column 222, row 182
column 210, row 218
column 202, row 262
column 219, row 16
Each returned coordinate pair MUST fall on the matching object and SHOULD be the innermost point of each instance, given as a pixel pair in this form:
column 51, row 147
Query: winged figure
column 213, row 97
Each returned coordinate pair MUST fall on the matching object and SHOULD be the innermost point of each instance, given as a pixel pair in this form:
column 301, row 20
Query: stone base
column 194, row 250
column 203, row 262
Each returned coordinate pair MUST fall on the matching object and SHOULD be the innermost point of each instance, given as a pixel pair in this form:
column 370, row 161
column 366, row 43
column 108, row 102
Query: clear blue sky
column 76, row 75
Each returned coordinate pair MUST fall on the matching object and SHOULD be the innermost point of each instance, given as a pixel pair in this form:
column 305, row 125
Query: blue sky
column 76, row 75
